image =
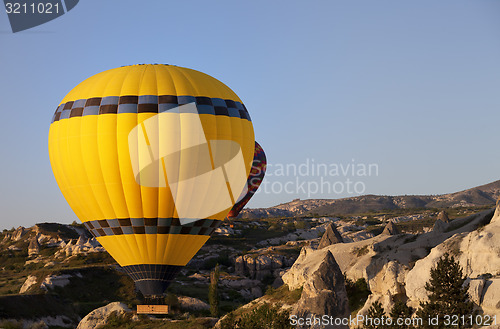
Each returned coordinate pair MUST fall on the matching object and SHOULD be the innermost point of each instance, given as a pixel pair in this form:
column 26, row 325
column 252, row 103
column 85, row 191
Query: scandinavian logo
column 25, row 14
column 170, row 149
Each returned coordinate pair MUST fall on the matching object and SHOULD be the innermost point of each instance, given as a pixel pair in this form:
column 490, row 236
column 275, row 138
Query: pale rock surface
column 476, row 287
column 357, row 236
column 258, row 266
column 439, row 226
column 6, row 238
column 390, row 280
column 99, row 316
column 323, row 293
column 390, row 229
column 34, row 247
column 491, row 297
column 304, row 266
column 226, row 231
column 420, row 273
column 443, row 216
column 19, row 233
column 30, row 282
column 478, row 252
column 80, row 241
column 194, row 304
column 52, row 281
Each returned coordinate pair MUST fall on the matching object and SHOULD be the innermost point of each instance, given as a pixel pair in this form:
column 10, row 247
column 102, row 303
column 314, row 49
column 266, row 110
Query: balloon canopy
column 254, row 180
column 151, row 158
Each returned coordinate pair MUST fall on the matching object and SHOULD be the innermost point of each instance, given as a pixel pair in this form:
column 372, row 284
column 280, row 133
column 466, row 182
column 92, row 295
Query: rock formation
column 390, row 280
column 80, row 241
column 52, row 281
column 331, row 236
column 323, row 293
column 390, row 229
column 99, row 316
column 478, row 253
column 30, row 281
column 443, row 216
column 439, row 226
column 259, row 266
column 19, row 233
column 192, row 304
column 34, row 247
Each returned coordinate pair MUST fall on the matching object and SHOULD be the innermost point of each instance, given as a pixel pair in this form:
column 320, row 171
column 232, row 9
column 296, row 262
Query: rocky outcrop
column 323, row 293
column 331, row 236
column 52, row 281
column 82, row 246
column 192, row 304
column 476, row 287
column 30, row 282
column 34, row 247
column 390, row 229
column 99, row 316
column 303, row 267
column 439, row 226
column 443, row 216
column 81, row 241
column 478, row 253
column 387, row 283
column 258, row 266
column 496, row 216
column 7, row 237
column 299, row 234
column 249, row 289
column 390, row 280
column 491, row 297
column 18, row 233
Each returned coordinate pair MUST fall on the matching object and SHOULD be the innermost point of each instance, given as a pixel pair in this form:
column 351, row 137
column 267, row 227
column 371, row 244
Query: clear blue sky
column 412, row 86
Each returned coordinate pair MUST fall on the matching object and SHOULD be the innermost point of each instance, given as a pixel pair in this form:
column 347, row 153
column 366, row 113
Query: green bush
column 357, row 292
column 262, row 317
column 213, row 292
column 172, row 301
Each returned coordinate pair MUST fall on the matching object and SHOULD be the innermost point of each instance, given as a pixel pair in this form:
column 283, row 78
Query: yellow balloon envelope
column 151, row 158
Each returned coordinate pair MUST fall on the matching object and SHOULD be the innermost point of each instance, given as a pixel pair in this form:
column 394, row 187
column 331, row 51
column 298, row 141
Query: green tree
column 357, row 292
column 448, row 294
column 172, row 301
column 213, row 292
column 376, row 317
column 401, row 311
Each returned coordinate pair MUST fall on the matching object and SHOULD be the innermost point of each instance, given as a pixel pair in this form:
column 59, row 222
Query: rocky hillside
column 391, row 266
column 55, row 276
column 477, row 196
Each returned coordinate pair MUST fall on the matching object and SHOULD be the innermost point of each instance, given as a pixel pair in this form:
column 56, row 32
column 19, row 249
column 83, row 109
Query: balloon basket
column 154, row 305
column 152, row 309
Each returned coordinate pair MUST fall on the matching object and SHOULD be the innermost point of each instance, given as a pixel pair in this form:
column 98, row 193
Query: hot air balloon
column 151, row 158
column 253, row 182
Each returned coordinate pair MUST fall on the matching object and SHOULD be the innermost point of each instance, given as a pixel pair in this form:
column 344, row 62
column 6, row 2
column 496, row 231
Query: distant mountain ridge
column 477, row 196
